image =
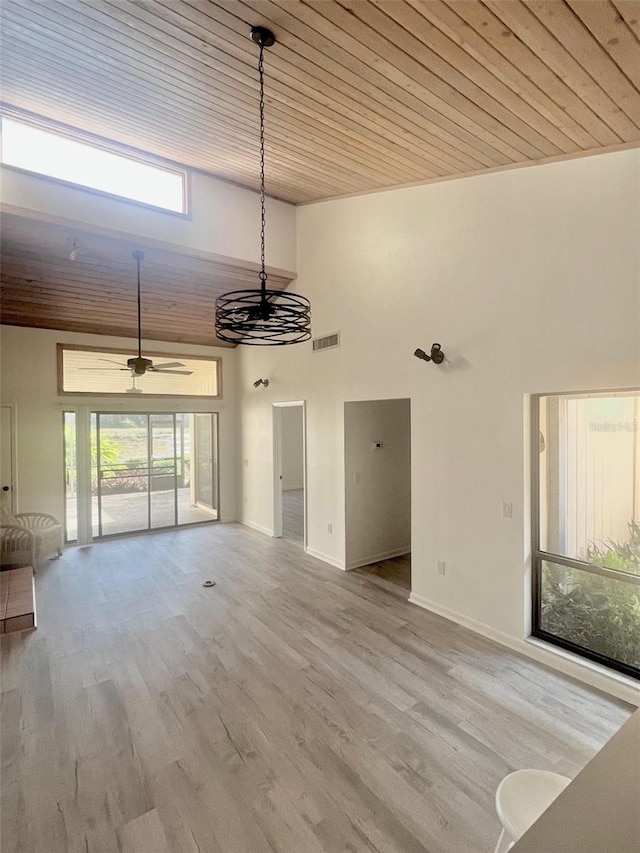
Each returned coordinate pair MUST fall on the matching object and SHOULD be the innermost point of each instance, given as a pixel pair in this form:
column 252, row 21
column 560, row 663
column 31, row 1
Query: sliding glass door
column 148, row 471
column 204, row 482
column 69, row 427
column 120, row 473
column 163, row 471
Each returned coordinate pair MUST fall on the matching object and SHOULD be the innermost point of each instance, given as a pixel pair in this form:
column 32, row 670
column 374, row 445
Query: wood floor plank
column 144, row 834
column 292, row 707
column 10, row 772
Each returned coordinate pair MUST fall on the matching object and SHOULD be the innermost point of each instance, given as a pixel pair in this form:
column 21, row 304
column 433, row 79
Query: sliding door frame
column 84, row 498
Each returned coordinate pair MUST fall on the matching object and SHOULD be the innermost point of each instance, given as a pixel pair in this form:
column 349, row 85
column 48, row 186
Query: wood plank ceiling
column 361, row 94
column 96, row 293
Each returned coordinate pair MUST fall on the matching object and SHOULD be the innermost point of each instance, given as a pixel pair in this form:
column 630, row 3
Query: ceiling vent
column 328, row 342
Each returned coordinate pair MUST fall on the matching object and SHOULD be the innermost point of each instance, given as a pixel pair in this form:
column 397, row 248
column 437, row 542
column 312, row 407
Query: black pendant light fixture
column 263, row 317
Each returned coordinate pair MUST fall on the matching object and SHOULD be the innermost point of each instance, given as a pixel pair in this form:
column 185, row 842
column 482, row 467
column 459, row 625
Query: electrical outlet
column 441, row 567
column 507, row 510
column 329, row 528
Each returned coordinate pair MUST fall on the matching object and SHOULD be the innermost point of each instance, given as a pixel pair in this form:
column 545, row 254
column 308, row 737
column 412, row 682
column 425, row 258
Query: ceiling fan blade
column 102, row 369
column 168, row 364
column 174, row 372
column 111, row 361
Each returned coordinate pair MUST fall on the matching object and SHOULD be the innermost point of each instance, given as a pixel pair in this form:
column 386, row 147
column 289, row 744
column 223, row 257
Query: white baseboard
column 212, row 512
column 461, row 619
column 293, row 488
column 333, row 561
column 376, row 558
column 614, row 683
column 258, row 527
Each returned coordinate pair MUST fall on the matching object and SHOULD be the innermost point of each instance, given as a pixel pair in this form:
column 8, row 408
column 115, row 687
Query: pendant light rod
column 264, row 38
column 139, row 256
column 263, row 317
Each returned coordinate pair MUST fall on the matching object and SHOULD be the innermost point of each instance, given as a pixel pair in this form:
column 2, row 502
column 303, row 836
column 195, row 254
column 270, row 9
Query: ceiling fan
column 138, row 365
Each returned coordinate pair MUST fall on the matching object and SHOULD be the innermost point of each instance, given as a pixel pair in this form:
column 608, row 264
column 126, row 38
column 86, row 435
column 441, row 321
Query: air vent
column 328, row 342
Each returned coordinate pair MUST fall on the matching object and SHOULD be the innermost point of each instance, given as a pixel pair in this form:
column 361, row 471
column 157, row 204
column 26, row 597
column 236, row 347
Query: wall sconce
column 260, row 382
column 436, row 355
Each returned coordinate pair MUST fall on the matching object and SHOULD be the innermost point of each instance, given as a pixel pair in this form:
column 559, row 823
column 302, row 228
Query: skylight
column 56, row 156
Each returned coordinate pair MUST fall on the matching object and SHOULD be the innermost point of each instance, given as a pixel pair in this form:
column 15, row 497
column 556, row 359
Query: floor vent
column 327, row 342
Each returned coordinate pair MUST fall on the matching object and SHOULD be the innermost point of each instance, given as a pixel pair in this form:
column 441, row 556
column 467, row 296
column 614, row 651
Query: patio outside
column 129, row 513
column 148, row 471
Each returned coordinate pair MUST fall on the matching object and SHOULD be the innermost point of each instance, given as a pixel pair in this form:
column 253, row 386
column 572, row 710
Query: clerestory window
column 57, row 155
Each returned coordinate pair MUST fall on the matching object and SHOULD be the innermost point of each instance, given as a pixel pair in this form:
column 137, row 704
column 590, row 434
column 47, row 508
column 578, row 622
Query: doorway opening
column 148, row 471
column 377, row 446
column 289, row 432
column 8, row 457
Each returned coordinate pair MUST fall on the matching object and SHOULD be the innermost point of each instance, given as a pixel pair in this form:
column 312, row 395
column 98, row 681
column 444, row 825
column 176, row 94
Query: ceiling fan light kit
column 263, row 317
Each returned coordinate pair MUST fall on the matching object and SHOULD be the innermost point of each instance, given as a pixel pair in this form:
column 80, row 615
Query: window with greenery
column 57, row 155
column 586, row 549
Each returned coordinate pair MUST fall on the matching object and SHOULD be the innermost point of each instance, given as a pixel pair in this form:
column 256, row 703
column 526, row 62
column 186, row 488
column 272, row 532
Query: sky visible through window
column 56, row 156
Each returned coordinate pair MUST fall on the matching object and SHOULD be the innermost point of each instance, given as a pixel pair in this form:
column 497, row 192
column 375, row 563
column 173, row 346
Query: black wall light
column 436, row 355
column 260, row 382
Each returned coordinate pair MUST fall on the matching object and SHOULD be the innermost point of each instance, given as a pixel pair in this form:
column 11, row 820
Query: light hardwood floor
column 290, row 708
column 293, row 516
column 395, row 571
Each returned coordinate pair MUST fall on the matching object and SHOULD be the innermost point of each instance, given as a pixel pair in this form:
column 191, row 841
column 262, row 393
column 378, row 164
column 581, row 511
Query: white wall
column 224, row 220
column 377, row 480
column 530, row 280
column 28, row 380
column 291, row 418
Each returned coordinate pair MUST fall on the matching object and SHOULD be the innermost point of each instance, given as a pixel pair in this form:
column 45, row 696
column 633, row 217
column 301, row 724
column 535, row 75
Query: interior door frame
column 277, row 466
column 13, row 454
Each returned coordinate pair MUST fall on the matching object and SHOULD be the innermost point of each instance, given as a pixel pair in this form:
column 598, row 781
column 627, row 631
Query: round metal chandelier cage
column 263, row 317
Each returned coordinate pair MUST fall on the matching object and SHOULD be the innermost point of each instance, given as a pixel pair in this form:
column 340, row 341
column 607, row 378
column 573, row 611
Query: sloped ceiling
column 361, row 94
column 96, row 293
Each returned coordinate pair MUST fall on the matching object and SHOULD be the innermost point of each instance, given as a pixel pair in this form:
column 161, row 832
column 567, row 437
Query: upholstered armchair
column 28, row 537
